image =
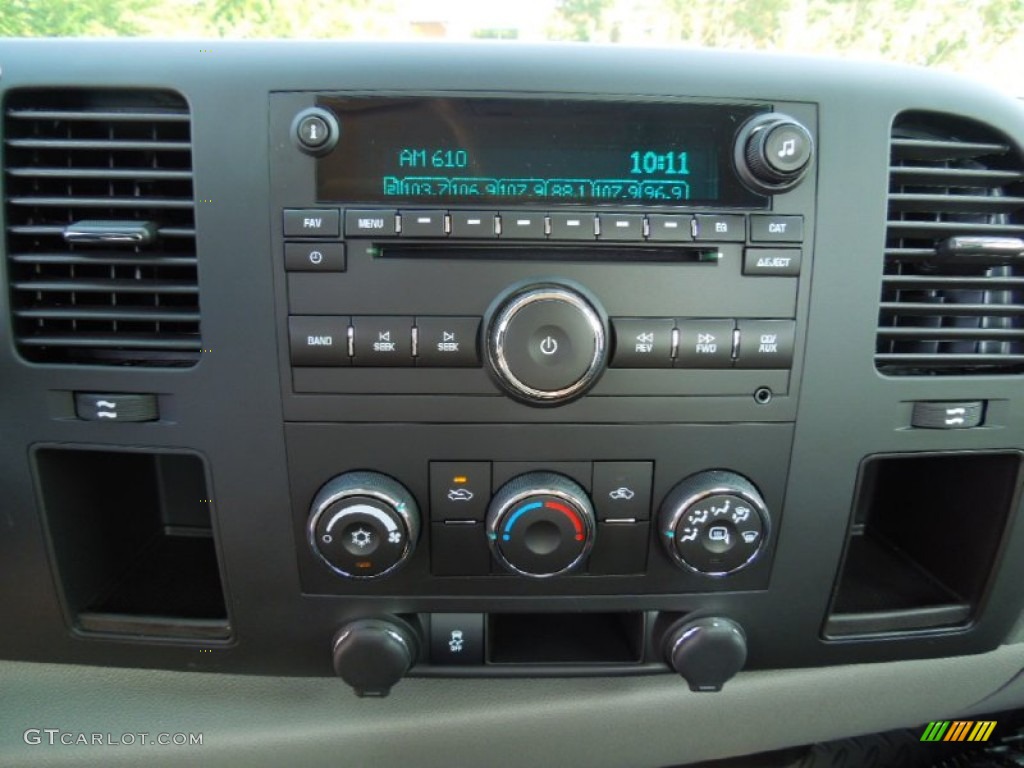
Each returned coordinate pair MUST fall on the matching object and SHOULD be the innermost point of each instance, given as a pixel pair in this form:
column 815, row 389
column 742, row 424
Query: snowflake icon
column 362, row 537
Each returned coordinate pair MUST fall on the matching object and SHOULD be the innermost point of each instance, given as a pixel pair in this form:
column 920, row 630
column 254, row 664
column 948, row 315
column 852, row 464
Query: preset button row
column 330, row 340
column 564, row 226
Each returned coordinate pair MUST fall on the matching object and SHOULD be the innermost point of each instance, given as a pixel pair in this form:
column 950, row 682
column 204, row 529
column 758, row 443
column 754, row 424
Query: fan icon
column 361, row 537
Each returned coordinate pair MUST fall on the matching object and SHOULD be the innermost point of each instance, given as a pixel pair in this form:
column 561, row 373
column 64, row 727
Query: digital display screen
column 488, row 152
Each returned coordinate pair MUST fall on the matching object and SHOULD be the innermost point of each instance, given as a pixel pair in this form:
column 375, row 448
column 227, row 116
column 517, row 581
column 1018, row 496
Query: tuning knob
column 547, row 343
column 540, row 524
column 773, row 152
column 372, row 655
column 714, row 523
column 707, row 652
column 363, row 524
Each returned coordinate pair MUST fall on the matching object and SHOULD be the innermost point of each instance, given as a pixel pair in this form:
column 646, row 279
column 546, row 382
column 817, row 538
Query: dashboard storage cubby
column 926, row 537
column 132, row 542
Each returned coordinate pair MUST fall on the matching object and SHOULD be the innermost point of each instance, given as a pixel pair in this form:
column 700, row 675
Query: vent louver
column 953, row 289
column 100, row 227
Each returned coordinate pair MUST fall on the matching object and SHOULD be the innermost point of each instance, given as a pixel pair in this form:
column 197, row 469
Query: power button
column 547, row 344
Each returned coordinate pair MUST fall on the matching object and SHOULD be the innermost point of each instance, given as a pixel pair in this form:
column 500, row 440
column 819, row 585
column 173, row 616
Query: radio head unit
column 488, row 151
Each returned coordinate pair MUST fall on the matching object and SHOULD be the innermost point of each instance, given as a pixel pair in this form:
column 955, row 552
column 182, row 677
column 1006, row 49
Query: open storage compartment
column 133, row 541
column 565, row 638
column 924, row 542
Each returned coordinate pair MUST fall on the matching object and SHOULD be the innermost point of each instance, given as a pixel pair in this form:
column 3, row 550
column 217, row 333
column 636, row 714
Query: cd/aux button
column 766, row 343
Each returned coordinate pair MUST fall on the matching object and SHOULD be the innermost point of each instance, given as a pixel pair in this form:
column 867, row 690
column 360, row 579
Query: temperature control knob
column 540, row 524
column 773, row 152
column 713, row 523
column 363, row 524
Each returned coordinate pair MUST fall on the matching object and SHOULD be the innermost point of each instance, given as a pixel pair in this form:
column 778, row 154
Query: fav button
column 312, row 222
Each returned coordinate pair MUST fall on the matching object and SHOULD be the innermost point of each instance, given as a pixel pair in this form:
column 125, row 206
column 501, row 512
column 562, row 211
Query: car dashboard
column 572, row 405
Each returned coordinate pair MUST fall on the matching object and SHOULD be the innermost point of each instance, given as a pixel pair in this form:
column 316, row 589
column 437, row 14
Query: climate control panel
column 538, row 524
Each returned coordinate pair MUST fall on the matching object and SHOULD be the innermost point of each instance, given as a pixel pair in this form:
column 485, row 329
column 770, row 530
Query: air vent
column 953, row 289
column 100, row 227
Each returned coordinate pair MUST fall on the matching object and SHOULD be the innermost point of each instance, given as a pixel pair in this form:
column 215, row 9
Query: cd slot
column 592, row 252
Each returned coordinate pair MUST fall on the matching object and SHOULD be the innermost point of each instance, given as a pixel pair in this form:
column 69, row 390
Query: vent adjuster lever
column 969, row 249
column 129, row 233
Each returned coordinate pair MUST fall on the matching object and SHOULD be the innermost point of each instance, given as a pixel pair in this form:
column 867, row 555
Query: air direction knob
column 714, row 523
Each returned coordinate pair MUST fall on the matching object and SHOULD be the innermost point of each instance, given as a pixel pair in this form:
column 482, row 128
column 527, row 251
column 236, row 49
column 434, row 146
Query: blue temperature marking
column 518, row 513
column 670, row 534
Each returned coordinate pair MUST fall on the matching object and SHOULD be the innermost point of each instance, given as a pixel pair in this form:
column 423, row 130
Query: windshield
column 983, row 39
